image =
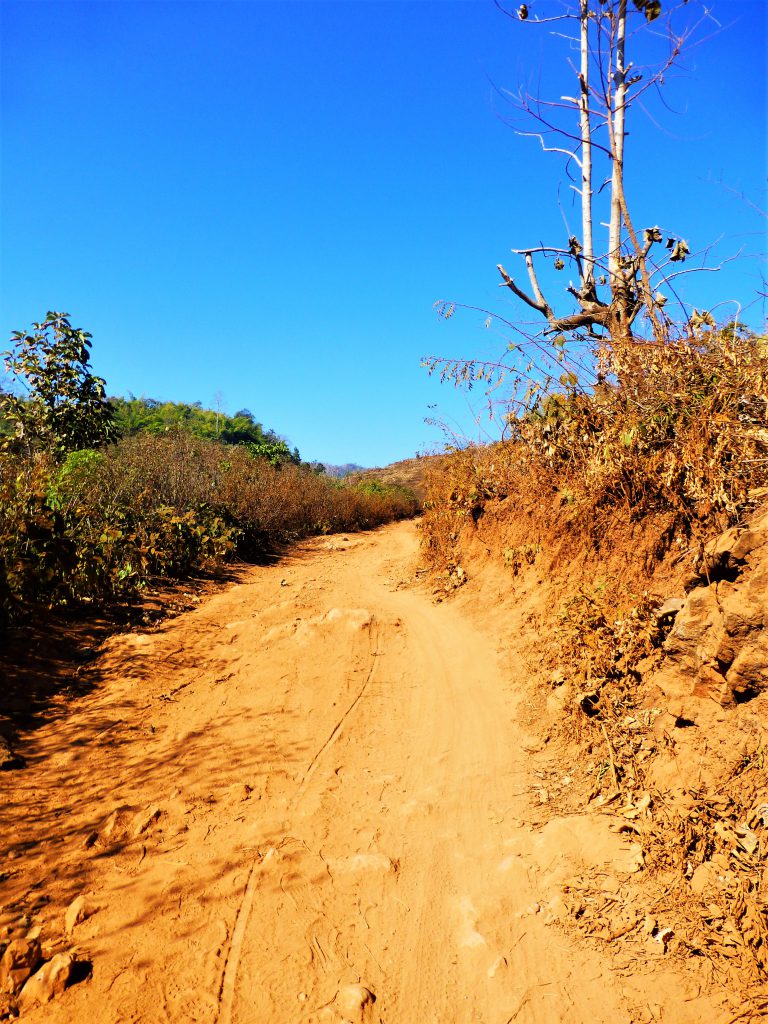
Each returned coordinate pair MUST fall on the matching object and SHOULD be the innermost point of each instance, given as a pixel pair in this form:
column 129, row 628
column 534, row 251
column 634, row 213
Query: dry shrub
column 102, row 523
column 719, row 827
column 681, row 427
column 603, row 634
column 457, row 490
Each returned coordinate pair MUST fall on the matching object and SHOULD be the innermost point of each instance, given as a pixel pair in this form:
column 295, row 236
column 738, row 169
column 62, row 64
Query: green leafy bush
column 63, row 405
column 147, row 415
column 85, row 516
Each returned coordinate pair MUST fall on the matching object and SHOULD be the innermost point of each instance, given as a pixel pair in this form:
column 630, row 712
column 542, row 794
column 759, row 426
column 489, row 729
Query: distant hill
column 409, row 473
column 340, row 471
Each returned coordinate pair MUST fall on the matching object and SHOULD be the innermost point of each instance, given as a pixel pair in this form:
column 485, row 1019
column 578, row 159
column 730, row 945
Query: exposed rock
column 353, row 1002
column 78, row 910
column 717, row 552
column 712, row 684
column 144, row 820
column 718, row 647
column 124, row 824
column 670, row 607
column 115, row 826
column 749, row 672
column 21, row 958
column 51, row 980
column 733, row 547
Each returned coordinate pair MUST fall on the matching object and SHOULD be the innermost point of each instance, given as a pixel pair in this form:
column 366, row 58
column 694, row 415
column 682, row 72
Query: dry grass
column 678, row 429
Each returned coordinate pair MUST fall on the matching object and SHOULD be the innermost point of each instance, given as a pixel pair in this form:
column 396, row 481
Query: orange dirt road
column 315, row 779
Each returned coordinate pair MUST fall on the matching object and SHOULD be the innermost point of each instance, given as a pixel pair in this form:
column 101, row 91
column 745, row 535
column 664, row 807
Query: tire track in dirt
column 335, row 732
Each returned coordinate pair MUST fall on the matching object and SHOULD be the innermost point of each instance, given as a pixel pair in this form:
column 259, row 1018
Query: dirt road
column 316, row 779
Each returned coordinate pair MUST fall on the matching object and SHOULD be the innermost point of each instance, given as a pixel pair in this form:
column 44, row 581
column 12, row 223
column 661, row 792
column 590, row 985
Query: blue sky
column 266, row 199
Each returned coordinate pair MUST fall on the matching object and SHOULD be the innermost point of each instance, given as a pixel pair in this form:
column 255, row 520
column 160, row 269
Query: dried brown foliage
column 102, row 523
column 679, row 428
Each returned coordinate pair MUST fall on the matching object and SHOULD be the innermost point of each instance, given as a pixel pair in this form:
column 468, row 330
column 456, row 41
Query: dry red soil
column 321, row 777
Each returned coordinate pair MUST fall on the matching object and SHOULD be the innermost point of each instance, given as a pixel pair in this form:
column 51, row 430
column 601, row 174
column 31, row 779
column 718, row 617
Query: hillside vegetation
column 410, row 474
column 677, row 431
column 99, row 495
column 149, row 416
column 626, row 531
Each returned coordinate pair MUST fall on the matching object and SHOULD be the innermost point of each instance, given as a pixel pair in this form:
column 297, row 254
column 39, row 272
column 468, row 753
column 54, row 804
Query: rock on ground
column 51, row 980
column 21, row 958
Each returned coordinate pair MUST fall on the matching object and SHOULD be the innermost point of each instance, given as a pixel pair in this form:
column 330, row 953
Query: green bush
column 62, row 405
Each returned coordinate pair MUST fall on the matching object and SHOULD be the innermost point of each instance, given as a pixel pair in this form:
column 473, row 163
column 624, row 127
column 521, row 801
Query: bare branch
column 544, row 305
column 538, row 303
column 549, row 149
column 543, row 249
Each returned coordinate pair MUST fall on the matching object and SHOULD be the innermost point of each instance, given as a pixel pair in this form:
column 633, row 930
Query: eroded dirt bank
column 319, row 778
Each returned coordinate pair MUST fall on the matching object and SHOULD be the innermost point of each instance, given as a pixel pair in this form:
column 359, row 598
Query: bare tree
column 616, row 294
column 218, row 401
column 608, row 85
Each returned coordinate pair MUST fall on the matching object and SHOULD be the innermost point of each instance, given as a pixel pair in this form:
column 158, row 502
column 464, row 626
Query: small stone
column 77, row 911
column 353, row 1001
column 113, row 829
column 144, row 820
column 20, row 959
column 555, row 910
column 51, row 980
column 238, row 793
column 498, row 964
column 670, row 607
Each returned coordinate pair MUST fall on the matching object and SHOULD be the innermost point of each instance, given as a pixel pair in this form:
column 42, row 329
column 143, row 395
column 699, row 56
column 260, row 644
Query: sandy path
column 315, row 779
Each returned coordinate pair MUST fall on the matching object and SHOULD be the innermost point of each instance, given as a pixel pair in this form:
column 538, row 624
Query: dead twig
column 611, row 758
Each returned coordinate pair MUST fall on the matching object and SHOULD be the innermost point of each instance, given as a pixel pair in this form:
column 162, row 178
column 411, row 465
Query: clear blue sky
column 266, row 199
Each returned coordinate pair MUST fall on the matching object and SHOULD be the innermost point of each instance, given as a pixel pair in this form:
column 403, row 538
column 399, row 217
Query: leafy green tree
column 145, row 415
column 63, row 405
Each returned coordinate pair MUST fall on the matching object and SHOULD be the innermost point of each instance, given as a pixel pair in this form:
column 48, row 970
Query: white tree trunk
column 617, row 113
column 586, row 150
